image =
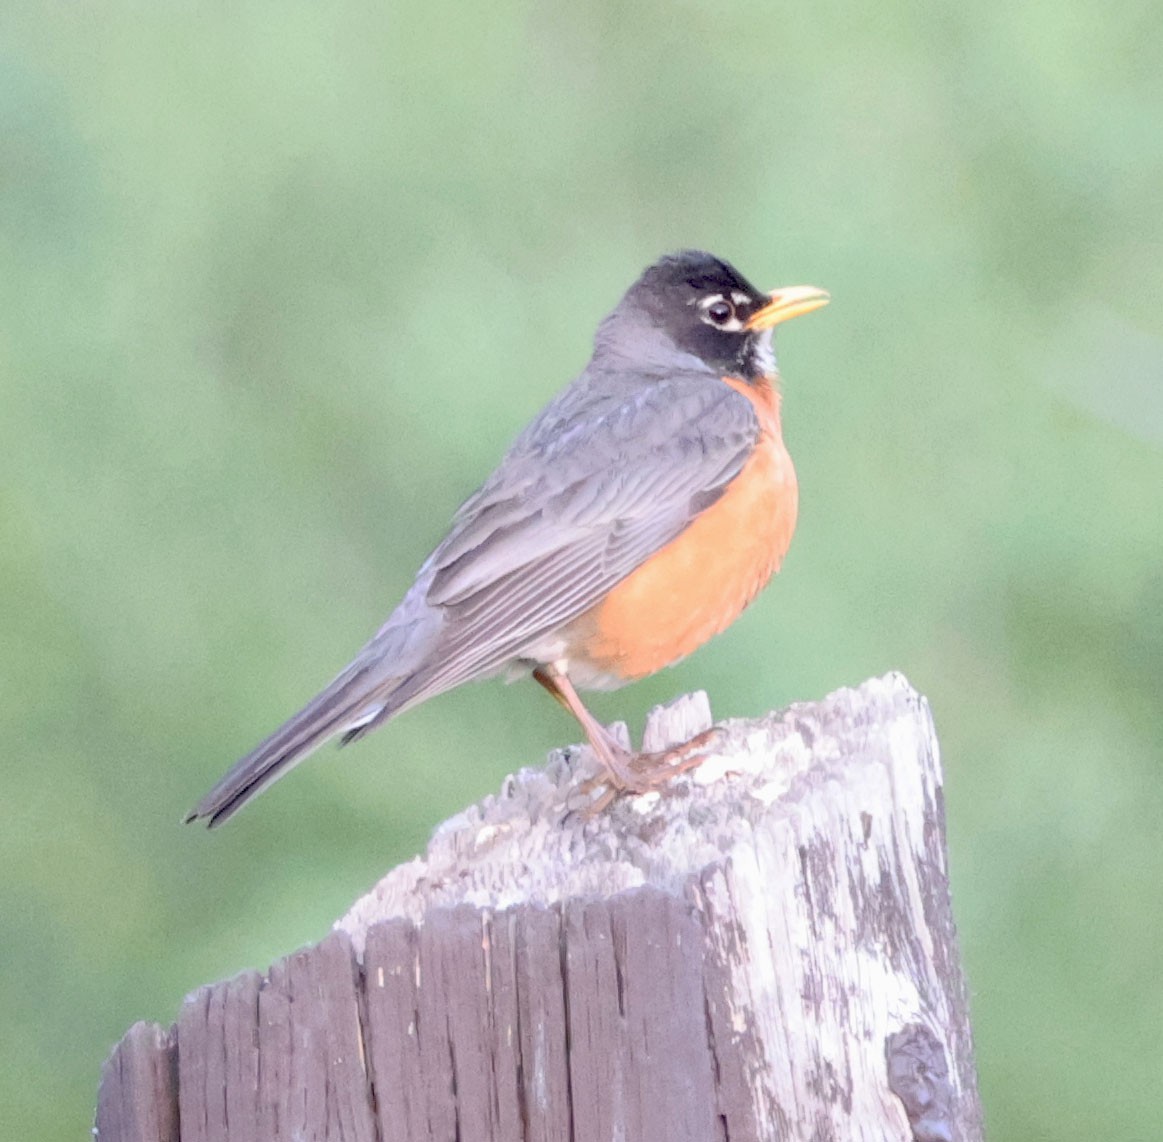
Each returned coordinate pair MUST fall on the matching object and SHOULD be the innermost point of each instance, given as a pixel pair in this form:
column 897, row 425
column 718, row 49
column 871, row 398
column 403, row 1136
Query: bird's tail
column 356, row 699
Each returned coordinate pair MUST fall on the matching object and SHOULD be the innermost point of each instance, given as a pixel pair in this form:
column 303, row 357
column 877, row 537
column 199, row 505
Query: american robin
column 636, row 517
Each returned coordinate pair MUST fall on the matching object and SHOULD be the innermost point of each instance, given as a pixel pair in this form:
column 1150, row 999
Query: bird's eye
column 720, row 312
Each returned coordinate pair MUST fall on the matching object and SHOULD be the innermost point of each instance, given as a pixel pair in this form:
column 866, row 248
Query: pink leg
column 626, row 771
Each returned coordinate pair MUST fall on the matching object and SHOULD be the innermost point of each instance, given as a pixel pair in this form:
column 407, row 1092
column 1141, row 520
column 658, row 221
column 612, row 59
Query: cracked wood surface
column 763, row 951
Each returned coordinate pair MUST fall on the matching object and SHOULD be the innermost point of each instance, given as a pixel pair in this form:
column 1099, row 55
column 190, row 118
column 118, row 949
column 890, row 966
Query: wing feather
column 555, row 529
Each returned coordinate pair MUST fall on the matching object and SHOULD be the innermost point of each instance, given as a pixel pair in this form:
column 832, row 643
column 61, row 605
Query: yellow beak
column 793, row 301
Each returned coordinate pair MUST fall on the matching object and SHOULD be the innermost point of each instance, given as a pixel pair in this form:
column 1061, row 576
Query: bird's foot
column 634, row 773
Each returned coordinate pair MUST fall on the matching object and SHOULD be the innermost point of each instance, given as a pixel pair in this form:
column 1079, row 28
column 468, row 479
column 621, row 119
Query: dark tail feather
column 365, row 727
column 328, row 714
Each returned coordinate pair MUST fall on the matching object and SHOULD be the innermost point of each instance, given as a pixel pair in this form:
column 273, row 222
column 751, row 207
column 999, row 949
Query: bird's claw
column 626, row 772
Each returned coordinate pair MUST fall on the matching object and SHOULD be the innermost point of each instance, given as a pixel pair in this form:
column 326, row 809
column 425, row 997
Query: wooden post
column 763, row 951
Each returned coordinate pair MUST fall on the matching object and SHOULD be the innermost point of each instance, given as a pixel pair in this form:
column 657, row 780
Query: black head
column 705, row 308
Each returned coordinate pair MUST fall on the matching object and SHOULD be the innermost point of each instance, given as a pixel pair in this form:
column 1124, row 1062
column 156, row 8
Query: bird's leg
column 613, row 756
column 626, row 771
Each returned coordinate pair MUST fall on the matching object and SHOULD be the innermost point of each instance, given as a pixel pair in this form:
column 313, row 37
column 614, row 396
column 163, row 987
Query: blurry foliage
column 280, row 281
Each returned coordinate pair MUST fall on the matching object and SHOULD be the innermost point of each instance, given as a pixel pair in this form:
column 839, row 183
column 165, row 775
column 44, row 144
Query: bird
column 635, row 518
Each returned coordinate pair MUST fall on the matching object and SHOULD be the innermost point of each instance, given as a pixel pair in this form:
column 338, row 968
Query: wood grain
column 763, row 951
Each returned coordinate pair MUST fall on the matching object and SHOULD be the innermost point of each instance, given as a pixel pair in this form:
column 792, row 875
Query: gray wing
column 581, row 500
column 608, row 474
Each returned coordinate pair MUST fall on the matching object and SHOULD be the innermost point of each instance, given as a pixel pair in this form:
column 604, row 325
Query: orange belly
column 702, row 580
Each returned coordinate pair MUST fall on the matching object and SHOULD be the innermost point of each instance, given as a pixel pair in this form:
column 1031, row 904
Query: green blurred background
column 278, row 283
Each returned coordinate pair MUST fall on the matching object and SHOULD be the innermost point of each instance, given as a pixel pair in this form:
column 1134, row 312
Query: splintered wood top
column 763, row 951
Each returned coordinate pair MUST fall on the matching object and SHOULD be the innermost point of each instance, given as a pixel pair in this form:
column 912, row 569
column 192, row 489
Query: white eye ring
column 716, row 310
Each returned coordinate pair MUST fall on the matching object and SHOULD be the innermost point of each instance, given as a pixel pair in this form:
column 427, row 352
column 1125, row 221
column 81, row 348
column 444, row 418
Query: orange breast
column 702, row 580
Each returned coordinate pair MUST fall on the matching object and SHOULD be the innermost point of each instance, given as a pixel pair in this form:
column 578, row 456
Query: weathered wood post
column 765, row 951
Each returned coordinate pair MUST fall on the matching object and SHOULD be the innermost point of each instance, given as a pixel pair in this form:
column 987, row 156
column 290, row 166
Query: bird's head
column 705, row 308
